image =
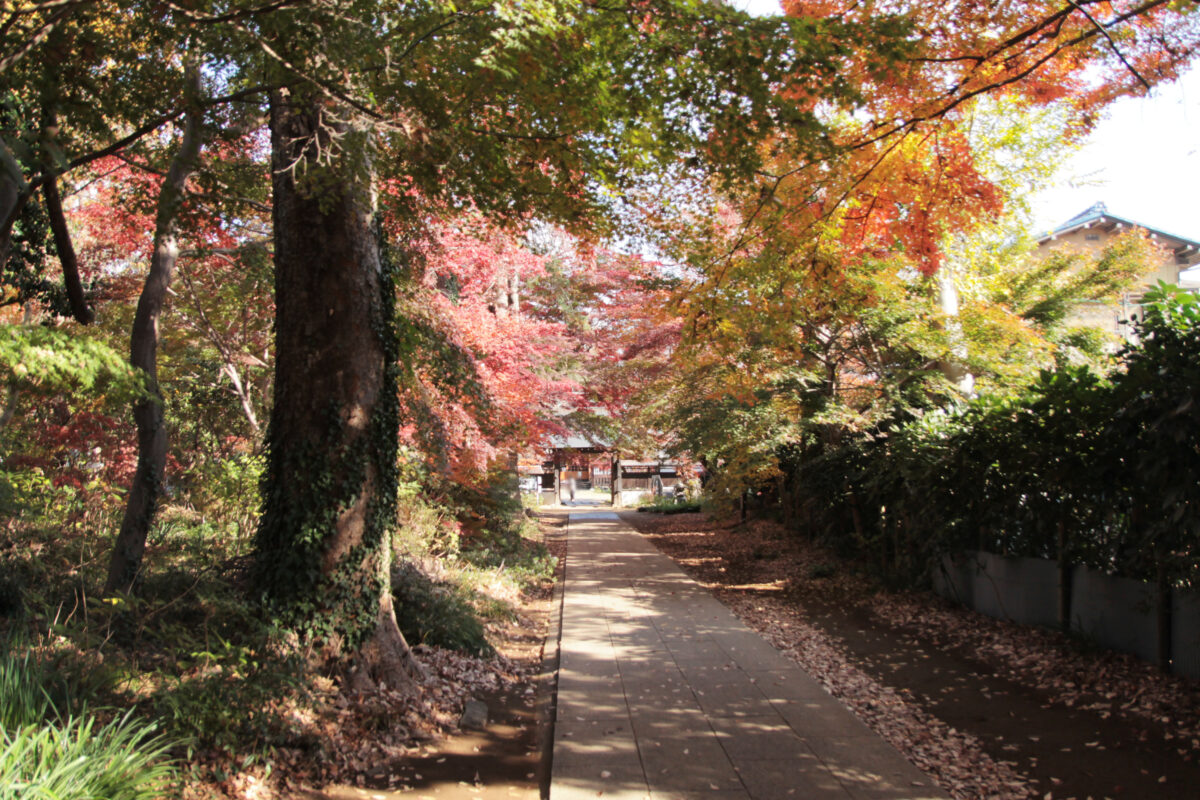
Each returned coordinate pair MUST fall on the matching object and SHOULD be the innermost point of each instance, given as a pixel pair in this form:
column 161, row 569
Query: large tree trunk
column 142, row 503
column 323, row 548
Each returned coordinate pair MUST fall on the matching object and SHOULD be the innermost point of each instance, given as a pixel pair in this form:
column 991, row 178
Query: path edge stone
column 547, row 699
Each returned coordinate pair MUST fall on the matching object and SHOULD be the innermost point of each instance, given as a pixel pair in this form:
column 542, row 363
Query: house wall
column 1112, row 317
column 1167, row 270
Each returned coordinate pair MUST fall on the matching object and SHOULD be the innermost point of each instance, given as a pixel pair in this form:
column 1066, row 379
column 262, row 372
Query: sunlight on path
column 663, row 693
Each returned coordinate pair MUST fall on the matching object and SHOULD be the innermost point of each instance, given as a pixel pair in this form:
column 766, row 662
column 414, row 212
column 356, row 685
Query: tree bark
column 954, row 366
column 614, row 480
column 66, row 253
column 618, row 483
column 142, row 503
column 14, row 192
column 323, row 547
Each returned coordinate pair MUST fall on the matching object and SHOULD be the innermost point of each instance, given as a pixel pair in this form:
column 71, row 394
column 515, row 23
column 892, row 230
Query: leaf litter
column 781, row 566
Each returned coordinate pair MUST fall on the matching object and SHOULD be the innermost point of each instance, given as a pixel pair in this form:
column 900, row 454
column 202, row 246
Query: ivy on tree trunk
column 323, row 547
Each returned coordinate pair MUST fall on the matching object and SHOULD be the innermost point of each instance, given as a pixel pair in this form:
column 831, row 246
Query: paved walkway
column 664, row 693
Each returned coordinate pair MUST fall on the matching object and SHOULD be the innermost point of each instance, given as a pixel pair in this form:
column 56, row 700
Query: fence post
column 1163, row 615
column 1064, row 578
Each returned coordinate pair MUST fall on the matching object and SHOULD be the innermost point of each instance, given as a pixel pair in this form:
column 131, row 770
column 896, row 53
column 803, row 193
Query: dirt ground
column 505, row 759
column 990, row 709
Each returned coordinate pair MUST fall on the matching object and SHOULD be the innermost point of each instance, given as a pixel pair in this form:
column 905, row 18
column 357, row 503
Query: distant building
column 592, row 463
column 1093, row 230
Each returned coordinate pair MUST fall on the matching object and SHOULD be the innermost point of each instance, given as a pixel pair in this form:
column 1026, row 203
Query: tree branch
column 37, row 37
column 1111, row 44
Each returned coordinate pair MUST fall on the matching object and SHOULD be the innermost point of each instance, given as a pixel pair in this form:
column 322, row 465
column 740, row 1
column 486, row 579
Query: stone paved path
column 664, row 693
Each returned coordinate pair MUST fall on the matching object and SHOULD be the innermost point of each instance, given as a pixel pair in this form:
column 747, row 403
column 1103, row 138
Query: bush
column 666, row 505
column 436, row 614
column 1096, row 471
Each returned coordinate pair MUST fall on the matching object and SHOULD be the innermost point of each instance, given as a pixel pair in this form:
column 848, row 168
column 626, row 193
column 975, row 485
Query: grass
column 47, row 754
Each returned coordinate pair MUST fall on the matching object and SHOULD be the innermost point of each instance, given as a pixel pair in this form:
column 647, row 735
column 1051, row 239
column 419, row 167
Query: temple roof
column 1098, row 216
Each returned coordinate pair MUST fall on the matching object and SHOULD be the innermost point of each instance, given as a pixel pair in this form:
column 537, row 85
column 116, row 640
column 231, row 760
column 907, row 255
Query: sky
column 1142, row 161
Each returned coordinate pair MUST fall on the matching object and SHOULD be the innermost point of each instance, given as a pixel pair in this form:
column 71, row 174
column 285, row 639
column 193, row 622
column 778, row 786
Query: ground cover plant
column 185, row 689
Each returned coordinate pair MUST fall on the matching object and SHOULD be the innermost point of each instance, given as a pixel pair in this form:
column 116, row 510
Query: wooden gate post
column 616, row 480
column 557, row 479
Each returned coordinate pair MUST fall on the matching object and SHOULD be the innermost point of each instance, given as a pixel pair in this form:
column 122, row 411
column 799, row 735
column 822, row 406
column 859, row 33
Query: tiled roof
column 1095, row 212
column 1098, row 213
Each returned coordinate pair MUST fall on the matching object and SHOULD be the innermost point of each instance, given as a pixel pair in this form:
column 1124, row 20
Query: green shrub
column 436, row 614
column 666, row 505
column 226, row 491
column 1095, row 470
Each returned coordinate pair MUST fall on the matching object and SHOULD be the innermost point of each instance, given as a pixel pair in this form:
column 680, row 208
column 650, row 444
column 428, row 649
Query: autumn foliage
column 902, row 174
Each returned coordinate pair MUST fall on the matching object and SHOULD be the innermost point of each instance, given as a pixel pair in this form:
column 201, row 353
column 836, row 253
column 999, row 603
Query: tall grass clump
column 78, row 758
column 23, row 697
column 45, row 754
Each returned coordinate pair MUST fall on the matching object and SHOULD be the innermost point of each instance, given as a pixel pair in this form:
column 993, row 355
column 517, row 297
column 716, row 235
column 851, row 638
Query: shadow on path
column 663, row 693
